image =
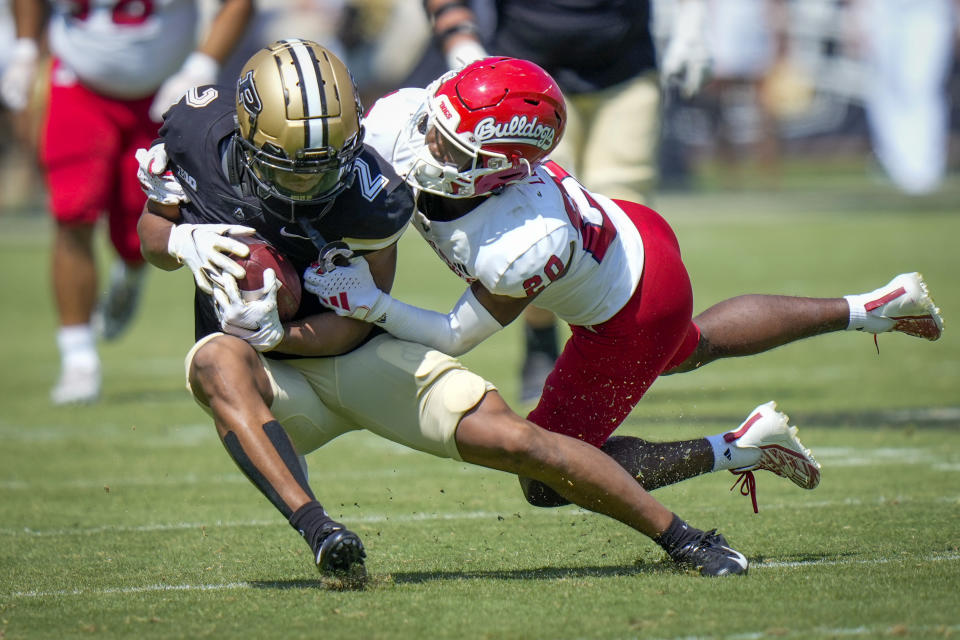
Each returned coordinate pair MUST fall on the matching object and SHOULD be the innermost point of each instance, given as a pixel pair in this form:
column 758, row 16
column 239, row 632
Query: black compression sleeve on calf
column 542, row 340
column 281, row 443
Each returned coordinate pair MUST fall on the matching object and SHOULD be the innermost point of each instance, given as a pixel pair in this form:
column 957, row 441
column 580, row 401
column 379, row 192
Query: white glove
column 197, row 69
column 687, row 59
column 251, row 316
column 203, row 248
column 348, row 290
column 465, row 52
column 156, row 180
column 17, row 80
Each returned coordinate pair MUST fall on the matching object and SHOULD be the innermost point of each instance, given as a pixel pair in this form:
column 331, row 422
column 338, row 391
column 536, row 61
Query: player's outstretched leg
column 903, row 304
column 493, row 436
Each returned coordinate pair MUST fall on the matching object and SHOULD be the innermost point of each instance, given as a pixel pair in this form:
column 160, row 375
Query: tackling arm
column 350, row 291
column 329, row 334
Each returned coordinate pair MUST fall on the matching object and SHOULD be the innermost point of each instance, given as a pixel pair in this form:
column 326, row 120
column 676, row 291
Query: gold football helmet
column 298, row 122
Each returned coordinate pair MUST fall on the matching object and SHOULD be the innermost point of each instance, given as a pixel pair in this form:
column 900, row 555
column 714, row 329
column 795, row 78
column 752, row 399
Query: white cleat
column 76, row 386
column 904, row 304
column 781, row 452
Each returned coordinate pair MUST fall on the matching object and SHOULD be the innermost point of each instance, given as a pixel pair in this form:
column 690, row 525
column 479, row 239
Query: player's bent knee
column 215, row 364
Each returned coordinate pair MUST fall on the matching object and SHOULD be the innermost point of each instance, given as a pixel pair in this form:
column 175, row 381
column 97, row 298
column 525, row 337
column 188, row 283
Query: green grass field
column 127, row 519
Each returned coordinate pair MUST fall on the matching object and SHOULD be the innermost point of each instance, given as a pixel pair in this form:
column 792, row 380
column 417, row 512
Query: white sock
column 727, row 455
column 78, row 347
column 860, row 319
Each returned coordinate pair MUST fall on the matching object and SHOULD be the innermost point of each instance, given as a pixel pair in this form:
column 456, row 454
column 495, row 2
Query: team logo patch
column 248, row 96
column 518, row 129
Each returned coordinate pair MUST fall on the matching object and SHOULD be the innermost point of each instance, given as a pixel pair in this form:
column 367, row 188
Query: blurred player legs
column 72, row 156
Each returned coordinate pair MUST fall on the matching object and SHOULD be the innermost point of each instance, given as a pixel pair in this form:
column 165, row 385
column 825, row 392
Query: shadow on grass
column 421, row 577
column 543, row 573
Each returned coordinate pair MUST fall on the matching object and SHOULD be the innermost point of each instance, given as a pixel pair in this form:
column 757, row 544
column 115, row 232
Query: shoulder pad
column 545, row 253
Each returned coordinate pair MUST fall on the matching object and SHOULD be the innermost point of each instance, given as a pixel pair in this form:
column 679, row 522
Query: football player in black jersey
column 284, row 160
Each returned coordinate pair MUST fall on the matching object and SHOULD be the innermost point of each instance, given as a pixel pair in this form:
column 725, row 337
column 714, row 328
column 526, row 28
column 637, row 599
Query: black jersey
column 370, row 215
column 585, row 46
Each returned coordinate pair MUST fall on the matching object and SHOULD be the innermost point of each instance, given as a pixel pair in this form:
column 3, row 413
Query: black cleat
column 341, row 556
column 711, row 555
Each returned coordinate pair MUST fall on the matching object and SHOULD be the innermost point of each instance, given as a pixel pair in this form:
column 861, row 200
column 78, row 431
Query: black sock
column 313, row 523
column 542, row 340
column 677, row 534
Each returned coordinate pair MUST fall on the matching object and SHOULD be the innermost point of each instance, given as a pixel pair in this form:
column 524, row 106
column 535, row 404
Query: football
column 264, row 256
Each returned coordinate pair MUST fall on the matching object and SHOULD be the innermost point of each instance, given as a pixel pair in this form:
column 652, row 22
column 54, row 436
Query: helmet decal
column 518, row 130
column 247, row 95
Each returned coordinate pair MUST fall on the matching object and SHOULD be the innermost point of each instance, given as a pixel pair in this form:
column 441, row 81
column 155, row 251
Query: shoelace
column 699, row 541
column 748, row 486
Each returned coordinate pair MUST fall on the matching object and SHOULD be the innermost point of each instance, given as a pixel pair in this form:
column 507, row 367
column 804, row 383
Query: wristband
column 456, row 4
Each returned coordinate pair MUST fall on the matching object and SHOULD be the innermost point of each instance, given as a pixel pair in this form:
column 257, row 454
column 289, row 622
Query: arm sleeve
column 454, row 333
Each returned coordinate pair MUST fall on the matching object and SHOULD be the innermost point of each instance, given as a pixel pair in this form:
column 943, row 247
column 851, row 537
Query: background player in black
column 301, row 165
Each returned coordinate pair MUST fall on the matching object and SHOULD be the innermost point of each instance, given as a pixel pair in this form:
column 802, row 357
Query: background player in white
column 518, row 230
column 909, row 52
column 117, row 65
column 294, row 168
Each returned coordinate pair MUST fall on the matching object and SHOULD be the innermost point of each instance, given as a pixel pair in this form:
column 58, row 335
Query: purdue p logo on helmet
column 298, row 122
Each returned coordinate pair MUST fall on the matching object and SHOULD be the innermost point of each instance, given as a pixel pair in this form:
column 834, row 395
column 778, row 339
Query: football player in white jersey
column 283, row 158
column 517, row 228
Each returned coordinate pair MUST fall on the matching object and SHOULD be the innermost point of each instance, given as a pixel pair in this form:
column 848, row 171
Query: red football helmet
column 487, row 126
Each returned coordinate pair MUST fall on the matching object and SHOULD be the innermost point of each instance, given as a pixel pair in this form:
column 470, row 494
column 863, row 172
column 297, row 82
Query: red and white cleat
column 767, row 430
column 904, row 304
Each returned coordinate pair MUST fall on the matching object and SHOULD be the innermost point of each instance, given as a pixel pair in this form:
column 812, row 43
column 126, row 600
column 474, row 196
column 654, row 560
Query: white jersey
column 546, row 236
column 123, row 48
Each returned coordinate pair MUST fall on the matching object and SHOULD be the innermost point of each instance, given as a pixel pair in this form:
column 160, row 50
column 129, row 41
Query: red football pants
column 87, row 150
column 604, row 370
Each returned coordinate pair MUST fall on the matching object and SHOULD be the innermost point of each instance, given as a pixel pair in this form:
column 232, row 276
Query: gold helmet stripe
column 312, row 95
